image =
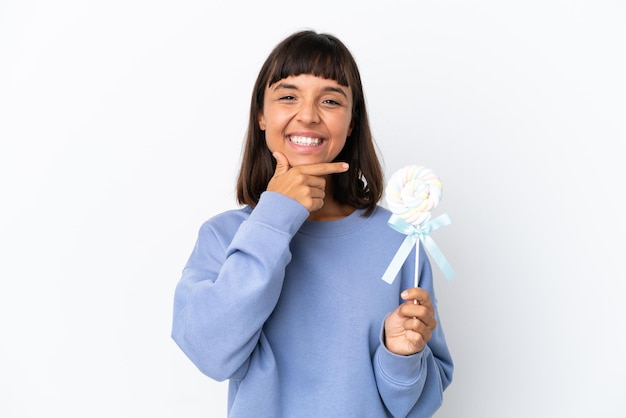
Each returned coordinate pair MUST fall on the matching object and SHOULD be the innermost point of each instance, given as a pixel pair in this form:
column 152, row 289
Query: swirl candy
column 412, row 192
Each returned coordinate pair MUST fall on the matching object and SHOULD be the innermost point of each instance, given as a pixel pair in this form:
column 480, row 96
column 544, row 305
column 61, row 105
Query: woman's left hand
column 409, row 327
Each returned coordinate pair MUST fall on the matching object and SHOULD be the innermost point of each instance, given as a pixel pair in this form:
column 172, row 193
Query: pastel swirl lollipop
column 412, row 192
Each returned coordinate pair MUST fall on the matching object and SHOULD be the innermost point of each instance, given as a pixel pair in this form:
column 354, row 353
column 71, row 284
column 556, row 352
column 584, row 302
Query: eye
column 287, row 98
column 333, row 103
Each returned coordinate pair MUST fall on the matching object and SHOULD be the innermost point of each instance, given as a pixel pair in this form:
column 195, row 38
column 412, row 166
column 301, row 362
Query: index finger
column 416, row 293
column 323, row 169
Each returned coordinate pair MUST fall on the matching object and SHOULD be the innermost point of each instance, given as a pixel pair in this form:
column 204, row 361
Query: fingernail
column 345, row 166
column 404, row 294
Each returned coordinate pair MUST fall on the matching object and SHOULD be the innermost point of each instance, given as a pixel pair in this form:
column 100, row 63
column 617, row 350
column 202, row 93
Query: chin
column 298, row 161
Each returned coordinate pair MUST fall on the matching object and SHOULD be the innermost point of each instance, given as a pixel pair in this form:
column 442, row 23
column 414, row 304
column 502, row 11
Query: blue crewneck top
column 291, row 312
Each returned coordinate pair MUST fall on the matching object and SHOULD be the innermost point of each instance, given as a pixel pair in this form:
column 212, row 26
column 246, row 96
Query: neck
column 332, row 210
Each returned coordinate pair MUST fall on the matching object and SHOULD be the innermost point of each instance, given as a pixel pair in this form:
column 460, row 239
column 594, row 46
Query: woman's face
column 307, row 118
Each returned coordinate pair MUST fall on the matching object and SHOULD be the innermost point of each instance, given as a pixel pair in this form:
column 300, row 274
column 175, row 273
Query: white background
column 121, row 125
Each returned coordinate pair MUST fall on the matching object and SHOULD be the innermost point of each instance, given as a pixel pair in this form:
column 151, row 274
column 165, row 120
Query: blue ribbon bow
column 415, row 234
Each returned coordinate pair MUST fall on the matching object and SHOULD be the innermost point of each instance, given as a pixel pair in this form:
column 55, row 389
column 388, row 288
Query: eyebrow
column 331, row 89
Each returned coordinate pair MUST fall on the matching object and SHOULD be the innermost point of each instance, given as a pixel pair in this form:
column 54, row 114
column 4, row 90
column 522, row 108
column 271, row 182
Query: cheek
column 275, row 122
column 347, row 124
column 338, row 146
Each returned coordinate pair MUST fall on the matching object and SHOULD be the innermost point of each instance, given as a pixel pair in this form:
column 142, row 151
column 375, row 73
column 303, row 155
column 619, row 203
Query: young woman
column 283, row 296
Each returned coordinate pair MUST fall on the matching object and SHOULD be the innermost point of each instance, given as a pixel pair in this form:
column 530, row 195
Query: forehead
column 311, row 82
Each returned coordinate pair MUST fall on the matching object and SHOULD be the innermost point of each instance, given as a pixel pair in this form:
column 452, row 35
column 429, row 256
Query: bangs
column 314, row 55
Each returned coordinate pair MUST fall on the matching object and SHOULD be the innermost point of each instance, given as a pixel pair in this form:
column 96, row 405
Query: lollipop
column 411, row 194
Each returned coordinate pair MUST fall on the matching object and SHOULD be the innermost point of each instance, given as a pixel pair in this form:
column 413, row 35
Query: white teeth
column 303, row 140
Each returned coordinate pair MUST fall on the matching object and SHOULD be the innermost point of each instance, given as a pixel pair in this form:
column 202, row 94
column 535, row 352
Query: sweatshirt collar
column 342, row 226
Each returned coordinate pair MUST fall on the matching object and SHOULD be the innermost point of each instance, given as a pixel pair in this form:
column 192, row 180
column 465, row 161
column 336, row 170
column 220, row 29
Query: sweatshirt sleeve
column 228, row 289
column 412, row 386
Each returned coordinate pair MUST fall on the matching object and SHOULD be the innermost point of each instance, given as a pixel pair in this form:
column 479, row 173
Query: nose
column 308, row 113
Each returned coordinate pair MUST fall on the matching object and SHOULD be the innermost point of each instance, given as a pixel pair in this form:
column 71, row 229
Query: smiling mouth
column 305, row 141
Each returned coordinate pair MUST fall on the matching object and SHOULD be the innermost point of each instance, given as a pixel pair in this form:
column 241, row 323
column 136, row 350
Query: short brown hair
column 325, row 56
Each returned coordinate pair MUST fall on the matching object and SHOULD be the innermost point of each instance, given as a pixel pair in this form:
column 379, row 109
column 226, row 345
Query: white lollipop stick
column 416, row 280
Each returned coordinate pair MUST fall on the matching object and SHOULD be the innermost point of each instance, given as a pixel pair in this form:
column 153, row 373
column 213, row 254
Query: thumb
column 282, row 163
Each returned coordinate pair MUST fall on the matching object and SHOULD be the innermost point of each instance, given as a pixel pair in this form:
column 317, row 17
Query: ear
column 350, row 128
column 261, row 120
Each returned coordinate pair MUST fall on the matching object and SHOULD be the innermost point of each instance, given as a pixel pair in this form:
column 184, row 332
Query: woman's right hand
column 306, row 184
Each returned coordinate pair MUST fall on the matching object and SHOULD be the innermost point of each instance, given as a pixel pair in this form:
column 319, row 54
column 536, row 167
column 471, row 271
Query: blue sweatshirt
column 291, row 312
